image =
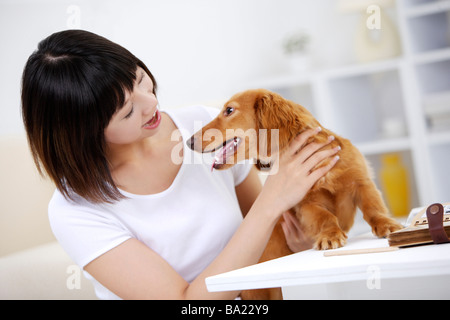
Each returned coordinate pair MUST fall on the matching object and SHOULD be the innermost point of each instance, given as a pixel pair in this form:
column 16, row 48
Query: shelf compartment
column 432, row 56
column 368, row 108
column 436, row 109
column 375, row 162
column 430, row 32
column 426, row 7
column 414, row 4
column 433, row 77
column 440, row 172
column 441, row 138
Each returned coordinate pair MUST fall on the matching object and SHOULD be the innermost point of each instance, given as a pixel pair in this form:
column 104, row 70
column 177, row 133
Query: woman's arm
column 248, row 191
column 134, row 271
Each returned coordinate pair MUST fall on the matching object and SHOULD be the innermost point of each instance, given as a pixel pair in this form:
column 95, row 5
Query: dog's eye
column 228, row 111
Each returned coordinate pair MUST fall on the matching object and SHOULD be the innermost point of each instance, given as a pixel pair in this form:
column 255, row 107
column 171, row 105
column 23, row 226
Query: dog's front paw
column 330, row 239
column 384, row 226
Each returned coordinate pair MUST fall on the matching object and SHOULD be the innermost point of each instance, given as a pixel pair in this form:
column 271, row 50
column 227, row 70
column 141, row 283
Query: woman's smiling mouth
column 153, row 122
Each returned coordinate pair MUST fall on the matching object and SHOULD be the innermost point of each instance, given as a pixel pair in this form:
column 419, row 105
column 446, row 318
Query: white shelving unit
column 392, row 105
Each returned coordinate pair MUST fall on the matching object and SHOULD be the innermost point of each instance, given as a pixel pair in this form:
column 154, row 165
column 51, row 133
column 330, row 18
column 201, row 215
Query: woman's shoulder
column 84, row 230
column 62, row 210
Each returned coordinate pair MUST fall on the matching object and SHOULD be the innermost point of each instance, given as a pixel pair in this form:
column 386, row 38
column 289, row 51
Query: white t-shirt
column 187, row 224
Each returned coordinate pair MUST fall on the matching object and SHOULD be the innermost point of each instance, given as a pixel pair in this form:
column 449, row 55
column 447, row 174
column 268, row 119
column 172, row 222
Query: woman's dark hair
column 71, row 87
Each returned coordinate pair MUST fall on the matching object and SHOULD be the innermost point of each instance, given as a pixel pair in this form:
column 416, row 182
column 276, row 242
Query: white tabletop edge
column 291, row 270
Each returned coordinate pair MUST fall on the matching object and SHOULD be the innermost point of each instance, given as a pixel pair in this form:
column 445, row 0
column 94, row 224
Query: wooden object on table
column 418, row 231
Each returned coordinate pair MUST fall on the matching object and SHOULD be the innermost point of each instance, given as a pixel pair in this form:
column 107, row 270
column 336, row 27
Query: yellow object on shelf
column 394, row 181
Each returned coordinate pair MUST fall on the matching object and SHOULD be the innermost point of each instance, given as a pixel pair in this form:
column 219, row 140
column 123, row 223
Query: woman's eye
column 130, row 113
column 228, row 111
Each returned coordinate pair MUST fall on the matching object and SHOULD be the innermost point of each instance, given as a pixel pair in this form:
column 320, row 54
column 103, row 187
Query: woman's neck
column 121, row 154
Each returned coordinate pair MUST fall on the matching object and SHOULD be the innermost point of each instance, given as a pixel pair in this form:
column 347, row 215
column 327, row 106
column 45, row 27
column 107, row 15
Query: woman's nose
column 150, row 106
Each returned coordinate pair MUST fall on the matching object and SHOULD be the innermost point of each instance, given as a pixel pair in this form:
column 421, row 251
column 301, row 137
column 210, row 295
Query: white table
column 421, row 272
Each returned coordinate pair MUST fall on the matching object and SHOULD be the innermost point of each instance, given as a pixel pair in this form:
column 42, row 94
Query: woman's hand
column 295, row 238
column 295, row 175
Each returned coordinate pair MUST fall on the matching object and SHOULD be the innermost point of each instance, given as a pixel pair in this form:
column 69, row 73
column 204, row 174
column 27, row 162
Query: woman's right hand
column 295, row 175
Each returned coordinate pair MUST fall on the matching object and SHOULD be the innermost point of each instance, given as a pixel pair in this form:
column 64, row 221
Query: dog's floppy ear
column 274, row 112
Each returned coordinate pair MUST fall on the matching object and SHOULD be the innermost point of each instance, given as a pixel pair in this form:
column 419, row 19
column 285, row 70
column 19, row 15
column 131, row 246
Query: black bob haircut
column 71, row 87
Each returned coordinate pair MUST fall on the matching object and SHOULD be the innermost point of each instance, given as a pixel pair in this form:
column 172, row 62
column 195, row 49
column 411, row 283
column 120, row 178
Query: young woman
column 140, row 225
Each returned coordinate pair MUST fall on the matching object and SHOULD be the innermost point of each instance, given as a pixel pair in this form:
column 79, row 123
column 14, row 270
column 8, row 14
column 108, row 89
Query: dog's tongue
column 223, row 153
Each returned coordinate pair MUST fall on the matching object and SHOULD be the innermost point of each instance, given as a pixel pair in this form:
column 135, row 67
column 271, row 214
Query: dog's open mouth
column 228, row 149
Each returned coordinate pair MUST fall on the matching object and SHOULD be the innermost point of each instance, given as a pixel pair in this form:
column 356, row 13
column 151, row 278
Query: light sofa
column 32, row 264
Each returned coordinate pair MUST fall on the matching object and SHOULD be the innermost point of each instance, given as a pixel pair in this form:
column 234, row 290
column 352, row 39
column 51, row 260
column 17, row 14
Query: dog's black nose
column 191, row 142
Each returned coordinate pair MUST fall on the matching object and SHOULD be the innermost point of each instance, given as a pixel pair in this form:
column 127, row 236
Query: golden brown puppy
column 327, row 212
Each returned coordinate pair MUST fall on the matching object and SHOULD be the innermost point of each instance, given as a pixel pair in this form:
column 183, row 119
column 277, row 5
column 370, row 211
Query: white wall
column 201, row 51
